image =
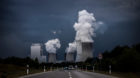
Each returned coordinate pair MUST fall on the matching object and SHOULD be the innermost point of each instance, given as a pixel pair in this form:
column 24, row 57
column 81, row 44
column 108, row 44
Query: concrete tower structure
column 84, row 51
column 51, row 57
column 37, row 52
column 79, row 51
column 69, row 57
column 87, row 50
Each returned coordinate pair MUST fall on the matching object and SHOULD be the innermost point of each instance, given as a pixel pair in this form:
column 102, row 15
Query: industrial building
column 70, row 57
column 87, row 50
column 79, row 51
column 84, row 51
column 51, row 57
column 37, row 52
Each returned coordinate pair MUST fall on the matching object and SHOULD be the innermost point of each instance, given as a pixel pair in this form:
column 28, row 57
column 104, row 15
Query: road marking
column 70, row 76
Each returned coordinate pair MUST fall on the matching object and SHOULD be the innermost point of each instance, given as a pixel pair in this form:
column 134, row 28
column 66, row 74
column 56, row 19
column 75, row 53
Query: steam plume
column 71, row 48
column 85, row 29
column 85, row 26
column 52, row 45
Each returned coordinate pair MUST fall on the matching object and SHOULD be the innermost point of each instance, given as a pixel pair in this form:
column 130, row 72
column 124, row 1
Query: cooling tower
column 51, row 57
column 84, row 51
column 79, row 51
column 87, row 50
column 69, row 57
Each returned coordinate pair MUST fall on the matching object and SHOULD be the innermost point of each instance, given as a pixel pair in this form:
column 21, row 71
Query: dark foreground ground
column 14, row 71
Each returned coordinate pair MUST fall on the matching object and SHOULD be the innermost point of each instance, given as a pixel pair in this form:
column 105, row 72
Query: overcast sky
column 23, row 22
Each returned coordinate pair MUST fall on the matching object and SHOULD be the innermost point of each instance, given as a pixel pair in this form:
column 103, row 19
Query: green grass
column 14, row 71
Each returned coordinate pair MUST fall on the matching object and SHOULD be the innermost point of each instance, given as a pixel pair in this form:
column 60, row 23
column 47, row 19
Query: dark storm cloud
column 12, row 46
column 123, row 33
column 23, row 22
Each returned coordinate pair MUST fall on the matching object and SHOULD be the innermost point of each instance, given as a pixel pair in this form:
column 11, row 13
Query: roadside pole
column 76, row 67
column 86, row 68
column 109, row 69
column 27, row 69
column 57, row 67
column 93, row 68
column 44, row 69
column 51, row 69
column 100, row 57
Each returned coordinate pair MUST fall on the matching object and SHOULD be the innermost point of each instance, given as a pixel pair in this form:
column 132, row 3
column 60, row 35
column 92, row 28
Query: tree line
column 121, row 58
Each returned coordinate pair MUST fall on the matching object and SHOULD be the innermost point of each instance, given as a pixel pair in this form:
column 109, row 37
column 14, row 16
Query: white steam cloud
column 52, row 45
column 85, row 26
column 85, row 29
column 71, row 48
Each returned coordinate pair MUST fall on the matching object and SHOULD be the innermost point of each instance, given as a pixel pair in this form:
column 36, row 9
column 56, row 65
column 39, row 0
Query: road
column 69, row 74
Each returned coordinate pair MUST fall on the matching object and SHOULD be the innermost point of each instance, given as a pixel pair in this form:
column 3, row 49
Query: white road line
column 70, row 76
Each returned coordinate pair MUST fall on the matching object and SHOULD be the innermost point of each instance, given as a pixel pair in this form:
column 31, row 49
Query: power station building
column 84, row 51
column 51, row 57
column 37, row 52
column 87, row 50
column 70, row 57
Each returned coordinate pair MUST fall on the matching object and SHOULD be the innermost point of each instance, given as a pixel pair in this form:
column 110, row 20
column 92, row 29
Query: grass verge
column 122, row 74
column 14, row 71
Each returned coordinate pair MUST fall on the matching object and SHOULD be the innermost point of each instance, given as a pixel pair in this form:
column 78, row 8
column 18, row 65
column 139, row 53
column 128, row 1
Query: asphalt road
column 69, row 74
